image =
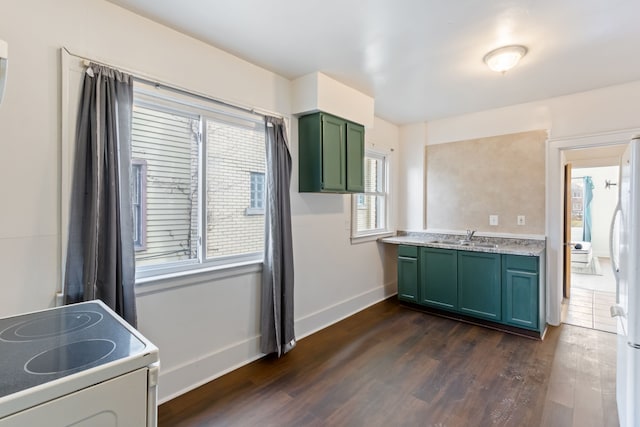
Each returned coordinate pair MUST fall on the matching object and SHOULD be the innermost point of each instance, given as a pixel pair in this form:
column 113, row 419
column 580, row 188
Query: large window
column 370, row 208
column 202, row 163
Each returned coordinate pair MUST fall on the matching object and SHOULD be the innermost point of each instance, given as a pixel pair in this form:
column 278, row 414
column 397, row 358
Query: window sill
column 254, row 211
column 160, row 283
column 363, row 238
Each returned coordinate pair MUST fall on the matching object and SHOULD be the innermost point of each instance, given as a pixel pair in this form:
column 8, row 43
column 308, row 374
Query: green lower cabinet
column 408, row 279
column 479, row 285
column 438, row 274
column 501, row 288
column 521, row 291
column 408, row 273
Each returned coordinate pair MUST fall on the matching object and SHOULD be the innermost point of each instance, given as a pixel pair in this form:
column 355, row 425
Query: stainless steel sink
column 481, row 245
column 447, row 242
column 465, row 243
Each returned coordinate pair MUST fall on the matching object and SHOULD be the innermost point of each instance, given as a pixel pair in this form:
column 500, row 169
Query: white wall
column 413, row 138
column 574, row 121
column 205, row 325
column 602, row 206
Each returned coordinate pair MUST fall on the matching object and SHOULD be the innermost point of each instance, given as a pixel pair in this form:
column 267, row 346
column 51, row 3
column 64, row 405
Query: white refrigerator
column 625, row 260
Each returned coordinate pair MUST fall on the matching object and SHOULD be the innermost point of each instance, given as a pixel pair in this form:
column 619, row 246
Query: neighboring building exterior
column 166, row 167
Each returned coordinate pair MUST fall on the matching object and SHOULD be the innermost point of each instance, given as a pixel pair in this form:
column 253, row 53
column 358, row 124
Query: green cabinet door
column 520, row 279
column 333, row 153
column 438, row 284
column 408, row 279
column 310, row 153
column 355, row 158
column 479, row 284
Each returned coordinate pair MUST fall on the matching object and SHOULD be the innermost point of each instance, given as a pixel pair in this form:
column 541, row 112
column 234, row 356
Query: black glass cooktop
column 36, row 348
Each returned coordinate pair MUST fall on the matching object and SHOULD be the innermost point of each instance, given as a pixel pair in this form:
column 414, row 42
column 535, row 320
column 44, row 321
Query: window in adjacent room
column 204, row 164
column 369, row 210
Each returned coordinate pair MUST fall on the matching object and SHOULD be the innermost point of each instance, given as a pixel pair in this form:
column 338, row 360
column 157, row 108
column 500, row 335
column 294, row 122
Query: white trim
column 188, row 376
column 359, row 237
column 67, row 154
column 554, row 198
column 327, row 316
column 371, row 237
column 595, row 139
column 160, row 283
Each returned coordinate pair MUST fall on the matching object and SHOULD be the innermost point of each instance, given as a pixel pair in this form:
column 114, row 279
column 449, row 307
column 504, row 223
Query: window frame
column 383, row 230
column 193, row 105
column 142, row 193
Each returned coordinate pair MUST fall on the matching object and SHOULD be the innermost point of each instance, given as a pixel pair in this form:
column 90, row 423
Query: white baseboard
column 186, row 377
column 314, row 322
column 189, row 376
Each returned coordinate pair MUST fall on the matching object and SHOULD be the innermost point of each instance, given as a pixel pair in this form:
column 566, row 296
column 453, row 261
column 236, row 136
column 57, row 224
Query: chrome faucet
column 470, row 234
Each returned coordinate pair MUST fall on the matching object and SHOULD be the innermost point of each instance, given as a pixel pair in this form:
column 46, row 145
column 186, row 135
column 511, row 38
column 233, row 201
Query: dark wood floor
column 392, row 366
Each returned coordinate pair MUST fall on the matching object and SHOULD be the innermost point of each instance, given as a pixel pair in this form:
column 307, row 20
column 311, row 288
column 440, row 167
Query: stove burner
column 69, row 357
column 50, row 326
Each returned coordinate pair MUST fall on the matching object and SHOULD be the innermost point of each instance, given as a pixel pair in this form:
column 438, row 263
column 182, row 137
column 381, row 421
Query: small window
column 256, row 202
column 369, row 213
column 138, row 196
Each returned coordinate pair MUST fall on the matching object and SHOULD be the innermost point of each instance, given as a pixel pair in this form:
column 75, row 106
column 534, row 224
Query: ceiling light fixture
column 504, row 58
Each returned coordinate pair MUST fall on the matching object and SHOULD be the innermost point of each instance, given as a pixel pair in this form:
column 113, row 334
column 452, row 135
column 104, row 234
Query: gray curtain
column 276, row 319
column 100, row 255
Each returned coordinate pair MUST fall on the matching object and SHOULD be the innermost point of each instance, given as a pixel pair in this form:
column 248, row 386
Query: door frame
column 555, row 207
column 566, row 232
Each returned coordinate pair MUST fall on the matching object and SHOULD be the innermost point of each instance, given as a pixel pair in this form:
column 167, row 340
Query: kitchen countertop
column 496, row 245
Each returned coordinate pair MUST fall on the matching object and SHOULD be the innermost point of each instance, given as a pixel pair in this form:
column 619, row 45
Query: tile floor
column 591, row 297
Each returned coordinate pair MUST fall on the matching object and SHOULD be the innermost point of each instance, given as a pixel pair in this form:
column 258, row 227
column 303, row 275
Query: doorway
column 592, row 196
column 557, row 150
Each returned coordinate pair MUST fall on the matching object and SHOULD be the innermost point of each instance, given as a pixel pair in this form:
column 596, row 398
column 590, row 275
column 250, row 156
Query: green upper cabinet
column 331, row 154
column 520, row 290
column 439, row 284
column 479, row 284
column 355, row 158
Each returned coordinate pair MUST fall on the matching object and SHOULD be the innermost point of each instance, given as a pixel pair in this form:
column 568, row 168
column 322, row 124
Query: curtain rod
column 160, row 85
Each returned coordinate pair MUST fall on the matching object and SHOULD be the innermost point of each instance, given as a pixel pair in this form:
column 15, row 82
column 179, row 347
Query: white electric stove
column 79, row 365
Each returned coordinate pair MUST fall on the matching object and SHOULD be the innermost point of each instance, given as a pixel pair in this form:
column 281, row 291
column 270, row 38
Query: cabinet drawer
column 408, row 251
column 522, row 263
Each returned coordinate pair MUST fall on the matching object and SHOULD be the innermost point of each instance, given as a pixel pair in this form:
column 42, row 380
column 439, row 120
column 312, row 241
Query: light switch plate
column 521, row 220
column 493, row 219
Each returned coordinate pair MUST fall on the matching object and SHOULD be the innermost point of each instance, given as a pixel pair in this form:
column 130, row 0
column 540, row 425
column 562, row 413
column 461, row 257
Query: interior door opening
column 591, row 194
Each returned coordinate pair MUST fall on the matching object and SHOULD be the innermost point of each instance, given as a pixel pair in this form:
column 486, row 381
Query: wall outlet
column 521, row 220
column 493, row 219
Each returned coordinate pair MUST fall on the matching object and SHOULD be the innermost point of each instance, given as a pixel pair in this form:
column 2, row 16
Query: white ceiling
column 422, row 59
